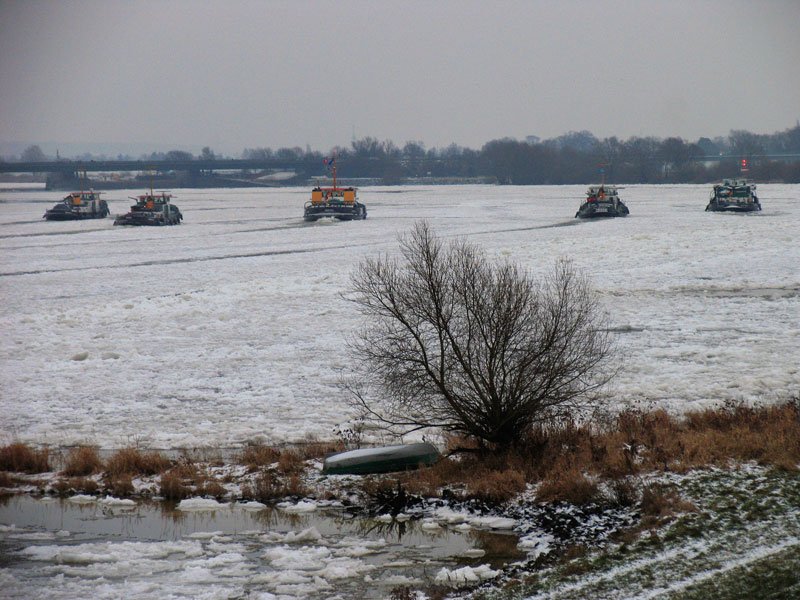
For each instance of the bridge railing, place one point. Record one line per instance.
(75, 166)
(750, 157)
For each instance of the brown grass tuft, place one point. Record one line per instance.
(320, 449)
(132, 461)
(213, 489)
(290, 462)
(661, 503)
(430, 481)
(187, 471)
(120, 486)
(266, 488)
(570, 486)
(75, 485)
(62, 487)
(637, 441)
(186, 479)
(269, 487)
(623, 492)
(81, 461)
(21, 458)
(496, 487)
(84, 485)
(295, 487)
(258, 455)
(172, 486)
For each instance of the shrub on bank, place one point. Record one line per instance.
(569, 459)
(132, 461)
(82, 461)
(21, 458)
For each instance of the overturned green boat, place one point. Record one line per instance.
(384, 459)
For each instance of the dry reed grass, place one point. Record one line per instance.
(319, 449)
(212, 488)
(21, 458)
(132, 461)
(638, 442)
(568, 486)
(258, 455)
(172, 486)
(62, 487)
(266, 488)
(291, 462)
(496, 487)
(187, 479)
(82, 461)
(121, 485)
(269, 486)
(660, 505)
(567, 458)
(492, 479)
(205, 484)
(75, 485)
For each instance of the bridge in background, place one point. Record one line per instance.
(74, 167)
(71, 167)
(750, 157)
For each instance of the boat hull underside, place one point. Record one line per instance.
(156, 219)
(595, 210)
(381, 460)
(343, 212)
(70, 216)
(62, 212)
(733, 207)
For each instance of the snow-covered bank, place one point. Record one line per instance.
(231, 326)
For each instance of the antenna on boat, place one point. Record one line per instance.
(152, 170)
(331, 164)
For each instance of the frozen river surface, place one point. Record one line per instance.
(232, 327)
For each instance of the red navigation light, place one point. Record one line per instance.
(744, 164)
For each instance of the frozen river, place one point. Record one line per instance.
(232, 327)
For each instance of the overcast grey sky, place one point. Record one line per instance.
(241, 74)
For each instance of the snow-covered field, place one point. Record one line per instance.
(232, 326)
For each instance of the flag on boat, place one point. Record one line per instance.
(328, 161)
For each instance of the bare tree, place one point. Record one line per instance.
(33, 154)
(207, 154)
(455, 342)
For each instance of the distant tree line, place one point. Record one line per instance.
(576, 157)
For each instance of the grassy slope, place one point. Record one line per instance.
(742, 542)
